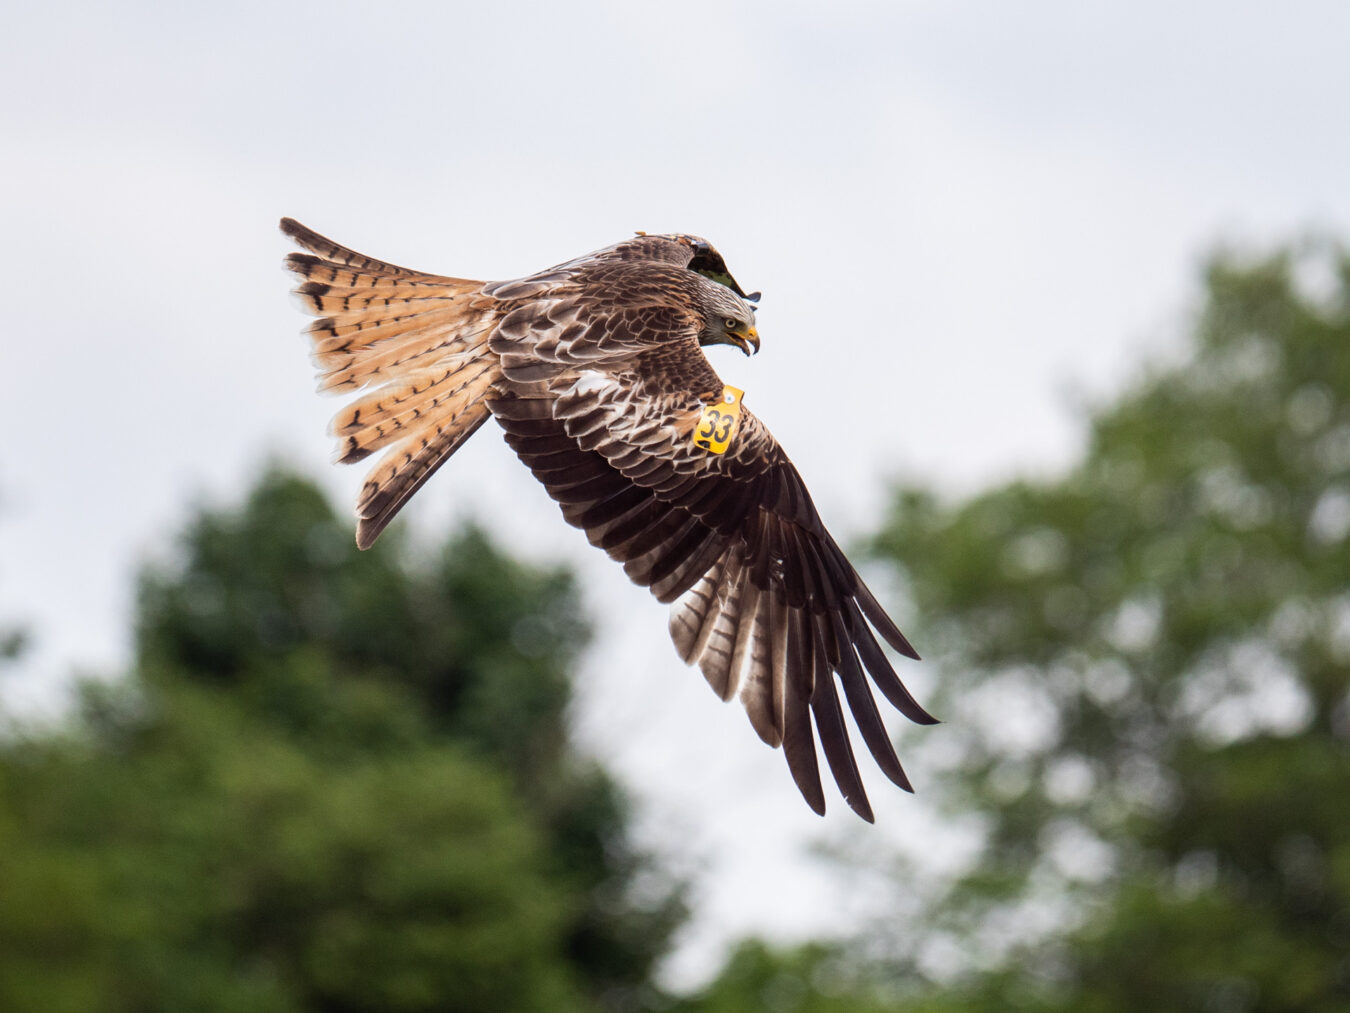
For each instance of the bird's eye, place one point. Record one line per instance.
(731, 324)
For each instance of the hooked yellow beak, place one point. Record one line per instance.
(744, 341)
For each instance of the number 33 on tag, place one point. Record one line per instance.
(720, 421)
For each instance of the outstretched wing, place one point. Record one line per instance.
(599, 399)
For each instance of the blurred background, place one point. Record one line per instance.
(1076, 269)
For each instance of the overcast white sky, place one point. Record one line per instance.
(958, 212)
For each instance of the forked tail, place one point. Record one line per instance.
(415, 343)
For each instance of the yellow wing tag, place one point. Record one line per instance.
(720, 422)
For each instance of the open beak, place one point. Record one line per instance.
(744, 341)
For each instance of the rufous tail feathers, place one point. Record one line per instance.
(414, 344)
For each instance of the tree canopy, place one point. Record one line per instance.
(1146, 662)
(333, 780)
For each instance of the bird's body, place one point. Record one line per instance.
(595, 372)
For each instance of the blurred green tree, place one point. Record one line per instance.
(811, 978)
(335, 780)
(1145, 664)
(13, 640)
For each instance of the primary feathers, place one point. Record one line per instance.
(595, 372)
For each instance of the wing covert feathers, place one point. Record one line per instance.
(596, 395)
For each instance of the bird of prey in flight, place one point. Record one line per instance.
(595, 371)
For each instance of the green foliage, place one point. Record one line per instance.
(1146, 665)
(814, 978)
(206, 862)
(481, 643)
(335, 780)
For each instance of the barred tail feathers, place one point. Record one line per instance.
(408, 465)
(415, 343)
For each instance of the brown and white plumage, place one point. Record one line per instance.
(595, 372)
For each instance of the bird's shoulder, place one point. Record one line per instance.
(627, 268)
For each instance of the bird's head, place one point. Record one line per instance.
(727, 319)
